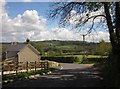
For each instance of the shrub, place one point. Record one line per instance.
(97, 59)
(61, 59)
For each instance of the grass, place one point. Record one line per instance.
(66, 47)
(26, 74)
(96, 56)
(80, 57)
(89, 56)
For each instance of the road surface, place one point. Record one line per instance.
(69, 75)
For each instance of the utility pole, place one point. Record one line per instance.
(83, 47)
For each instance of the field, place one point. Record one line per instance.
(80, 57)
(88, 56)
(53, 48)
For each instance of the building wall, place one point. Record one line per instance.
(10, 54)
(26, 54)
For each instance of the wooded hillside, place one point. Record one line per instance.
(59, 48)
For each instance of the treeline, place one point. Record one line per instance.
(59, 48)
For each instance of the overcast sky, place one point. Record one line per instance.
(21, 20)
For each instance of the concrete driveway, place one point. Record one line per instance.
(65, 66)
(69, 75)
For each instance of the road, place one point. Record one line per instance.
(69, 75)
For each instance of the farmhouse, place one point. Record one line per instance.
(22, 53)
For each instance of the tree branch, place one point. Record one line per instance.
(86, 20)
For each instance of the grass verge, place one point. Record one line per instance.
(24, 75)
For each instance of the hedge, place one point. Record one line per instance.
(61, 59)
(97, 59)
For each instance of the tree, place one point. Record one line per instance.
(111, 15)
(103, 48)
(38, 46)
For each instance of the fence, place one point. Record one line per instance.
(15, 67)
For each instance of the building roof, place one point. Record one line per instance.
(16, 47)
(19, 47)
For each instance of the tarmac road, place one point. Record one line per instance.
(69, 75)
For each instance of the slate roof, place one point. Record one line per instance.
(16, 47)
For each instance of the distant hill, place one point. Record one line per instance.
(56, 47)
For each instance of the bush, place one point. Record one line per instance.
(62, 59)
(97, 59)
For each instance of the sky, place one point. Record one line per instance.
(41, 7)
(27, 19)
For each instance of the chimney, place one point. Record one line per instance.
(27, 41)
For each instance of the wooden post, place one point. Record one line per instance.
(47, 64)
(22, 65)
(27, 66)
(2, 70)
(16, 67)
(38, 65)
(44, 65)
(30, 65)
(35, 65)
(41, 65)
(8, 67)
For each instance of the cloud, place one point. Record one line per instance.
(2, 4)
(96, 37)
(31, 25)
(27, 0)
(2, 12)
(2, 8)
(76, 18)
(23, 26)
